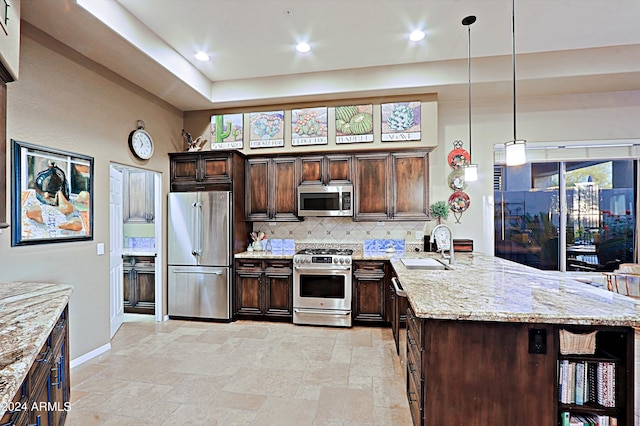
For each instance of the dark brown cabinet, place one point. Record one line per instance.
(325, 169)
(139, 284)
(370, 290)
(271, 189)
(399, 304)
(138, 196)
(263, 289)
(371, 187)
(409, 185)
(202, 171)
(44, 396)
(392, 186)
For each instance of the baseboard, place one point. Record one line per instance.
(89, 355)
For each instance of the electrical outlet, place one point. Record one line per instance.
(419, 235)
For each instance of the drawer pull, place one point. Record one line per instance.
(410, 398)
(410, 365)
(410, 340)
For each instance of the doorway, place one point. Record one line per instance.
(135, 244)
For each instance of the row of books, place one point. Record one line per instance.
(587, 420)
(580, 382)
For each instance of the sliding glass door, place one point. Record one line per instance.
(597, 230)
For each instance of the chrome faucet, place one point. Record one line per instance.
(452, 259)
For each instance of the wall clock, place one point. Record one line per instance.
(140, 142)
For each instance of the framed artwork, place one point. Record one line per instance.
(401, 121)
(309, 126)
(267, 129)
(52, 195)
(227, 131)
(354, 123)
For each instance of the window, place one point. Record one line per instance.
(597, 232)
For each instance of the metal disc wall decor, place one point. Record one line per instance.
(458, 158)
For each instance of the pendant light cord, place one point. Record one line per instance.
(469, 86)
(513, 62)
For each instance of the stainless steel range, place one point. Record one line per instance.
(322, 287)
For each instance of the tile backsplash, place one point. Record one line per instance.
(340, 230)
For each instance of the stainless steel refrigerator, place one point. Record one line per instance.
(199, 248)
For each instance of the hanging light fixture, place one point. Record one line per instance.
(470, 170)
(515, 150)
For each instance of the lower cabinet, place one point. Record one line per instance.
(139, 285)
(263, 289)
(399, 304)
(370, 292)
(44, 397)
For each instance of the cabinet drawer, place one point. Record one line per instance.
(414, 396)
(278, 266)
(59, 330)
(414, 331)
(368, 266)
(250, 264)
(40, 369)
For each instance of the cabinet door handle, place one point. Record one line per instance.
(410, 340)
(410, 366)
(410, 398)
(55, 375)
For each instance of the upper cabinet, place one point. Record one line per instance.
(271, 189)
(392, 186)
(138, 196)
(325, 169)
(207, 170)
(9, 39)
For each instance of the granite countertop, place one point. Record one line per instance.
(284, 254)
(28, 312)
(488, 288)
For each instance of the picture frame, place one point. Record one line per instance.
(51, 195)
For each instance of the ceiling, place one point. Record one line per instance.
(359, 47)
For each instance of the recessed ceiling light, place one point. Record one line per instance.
(201, 56)
(416, 35)
(303, 47)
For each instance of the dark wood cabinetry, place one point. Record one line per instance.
(399, 304)
(481, 373)
(371, 187)
(271, 189)
(204, 171)
(139, 284)
(44, 396)
(392, 186)
(139, 206)
(263, 289)
(325, 169)
(370, 292)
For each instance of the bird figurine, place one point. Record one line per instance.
(193, 146)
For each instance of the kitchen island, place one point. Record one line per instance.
(483, 342)
(34, 357)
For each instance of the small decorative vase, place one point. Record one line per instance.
(257, 245)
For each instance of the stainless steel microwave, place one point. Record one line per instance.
(325, 200)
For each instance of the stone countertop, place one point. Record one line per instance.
(28, 312)
(138, 252)
(488, 288)
(285, 254)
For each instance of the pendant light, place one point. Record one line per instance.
(470, 170)
(515, 150)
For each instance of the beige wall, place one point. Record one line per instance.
(64, 101)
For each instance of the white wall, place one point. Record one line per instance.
(64, 101)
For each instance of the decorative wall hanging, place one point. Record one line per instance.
(309, 126)
(354, 123)
(227, 131)
(267, 129)
(458, 159)
(52, 195)
(401, 121)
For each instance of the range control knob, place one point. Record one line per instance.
(347, 260)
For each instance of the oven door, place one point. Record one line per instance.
(322, 296)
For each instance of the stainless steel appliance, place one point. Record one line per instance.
(199, 255)
(322, 287)
(325, 200)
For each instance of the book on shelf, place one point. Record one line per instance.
(579, 392)
(581, 382)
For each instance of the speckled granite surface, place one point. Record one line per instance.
(487, 288)
(29, 312)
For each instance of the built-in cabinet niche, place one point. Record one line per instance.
(138, 196)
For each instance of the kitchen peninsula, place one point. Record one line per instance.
(34, 357)
(483, 342)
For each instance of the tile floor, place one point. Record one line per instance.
(243, 373)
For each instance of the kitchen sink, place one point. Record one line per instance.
(428, 264)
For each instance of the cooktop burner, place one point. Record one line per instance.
(325, 251)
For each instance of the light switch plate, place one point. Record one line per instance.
(100, 249)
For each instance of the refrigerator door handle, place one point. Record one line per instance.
(188, 271)
(197, 239)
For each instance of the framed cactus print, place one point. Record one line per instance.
(354, 123)
(267, 129)
(227, 131)
(309, 126)
(401, 121)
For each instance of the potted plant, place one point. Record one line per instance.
(439, 210)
